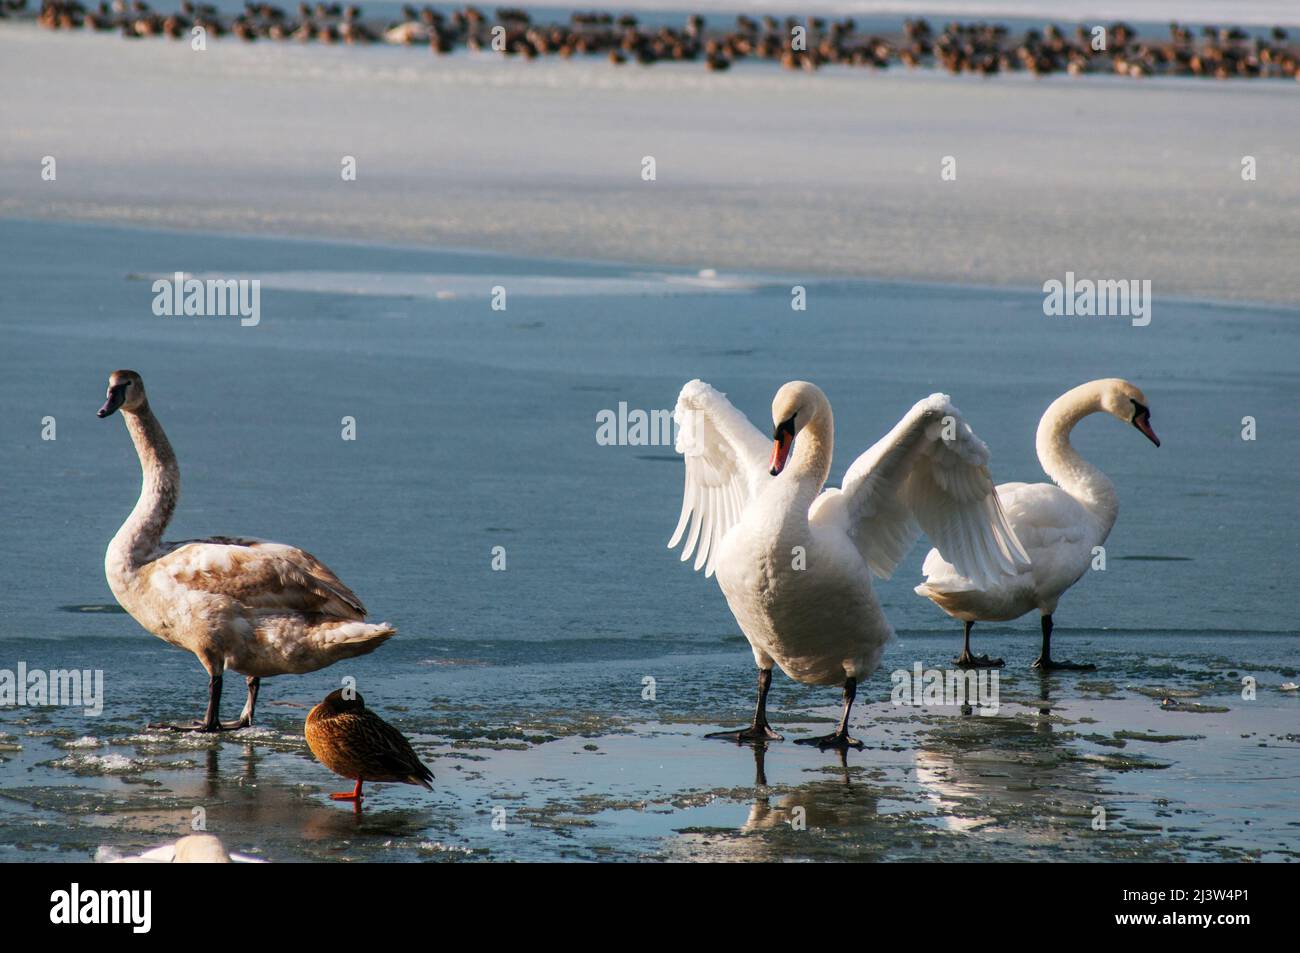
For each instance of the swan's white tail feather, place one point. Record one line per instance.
(349, 639)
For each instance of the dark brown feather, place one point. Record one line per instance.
(358, 744)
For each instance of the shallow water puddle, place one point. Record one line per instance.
(1030, 781)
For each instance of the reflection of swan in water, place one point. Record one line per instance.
(241, 809)
(821, 804)
(825, 819)
(976, 771)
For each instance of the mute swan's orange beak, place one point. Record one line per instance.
(782, 441)
(1143, 423)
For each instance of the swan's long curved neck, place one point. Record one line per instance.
(160, 488)
(1062, 462)
(811, 457)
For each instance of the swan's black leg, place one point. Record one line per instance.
(840, 737)
(759, 730)
(210, 721)
(1044, 661)
(966, 660)
(246, 716)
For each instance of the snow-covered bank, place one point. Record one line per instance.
(834, 173)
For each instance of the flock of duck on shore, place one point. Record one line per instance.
(807, 44)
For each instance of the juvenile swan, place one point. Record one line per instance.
(251, 606)
(795, 561)
(1059, 525)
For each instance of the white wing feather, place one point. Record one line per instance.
(726, 458)
(930, 473)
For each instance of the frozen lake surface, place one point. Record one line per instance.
(476, 429)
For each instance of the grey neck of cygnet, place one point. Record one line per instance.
(1060, 461)
(160, 487)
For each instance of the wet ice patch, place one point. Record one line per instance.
(176, 739)
(255, 733)
(438, 847)
(98, 764)
(470, 286)
(115, 764)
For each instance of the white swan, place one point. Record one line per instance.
(251, 606)
(194, 849)
(795, 562)
(1059, 525)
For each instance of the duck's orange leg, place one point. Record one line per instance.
(353, 795)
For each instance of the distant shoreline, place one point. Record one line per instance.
(835, 173)
(806, 43)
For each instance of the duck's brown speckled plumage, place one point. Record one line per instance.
(354, 742)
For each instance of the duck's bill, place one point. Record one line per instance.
(781, 445)
(116, 395)
(1143, 423)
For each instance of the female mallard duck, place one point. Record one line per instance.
(354, 742)
(248, 605)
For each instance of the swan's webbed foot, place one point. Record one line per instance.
(759, 729)
(1045, 662)
(966, 660)
(840, 740)
(755, 732)
(1051, 665)
(195, 726)
(211, 723)
(969, 660)
(244, 722)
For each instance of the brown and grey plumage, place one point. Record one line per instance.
(354, 742)
(251, 606)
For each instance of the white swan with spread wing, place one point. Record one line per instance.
(247, 605)
(795, 560)
(1060, 525)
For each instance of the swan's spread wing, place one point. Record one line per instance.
(929, 473)
(260, 575)
(726, 457)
